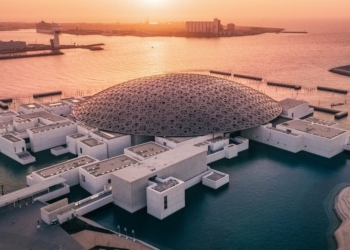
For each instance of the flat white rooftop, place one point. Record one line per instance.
(178, 139)
(54, 104)
(3, 125)
(29, 191)
(31, 106)
(290, 103)
(163, 186)
(76, 136)
(107, 135)
(11, 138)
(92, 142)
(7, 113)
(50, 127)
(314, 129)
(110, 165)
(161, 161)
(320, 121)
(65, 166)
(73, 101)
(42, 114)
(148, 149)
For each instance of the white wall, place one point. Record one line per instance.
(51, 138)
(93, 184)
(98, 151)
(175, 200)
(94, 205)
(23, 125)
(116, 145)
(54, 194)
(215, 184)
(299, 111)
(72, 143)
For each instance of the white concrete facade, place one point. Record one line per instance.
(50, 136)
(295, 108)
(116, 143)
(297, 135)
(215, 179)
(129, 184)
(91, 183)
(162, 203)
(92, 147)
(58, 108)
(15, 148)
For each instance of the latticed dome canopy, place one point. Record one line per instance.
(177, 105)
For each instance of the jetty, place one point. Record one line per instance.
(16, 56)
(248, 77)
(285, 85)
(6, 99)
(4, 105)
(341, 91)
(220, 73)
(337, 113)
(44, 94)
(343, 70)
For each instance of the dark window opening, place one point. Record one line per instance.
(165, 202)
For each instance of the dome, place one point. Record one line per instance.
(177, 105)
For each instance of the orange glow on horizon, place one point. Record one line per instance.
(243, 12)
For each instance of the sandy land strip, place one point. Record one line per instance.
(342, 207)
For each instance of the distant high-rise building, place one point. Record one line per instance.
(204, 27)
(231, 27)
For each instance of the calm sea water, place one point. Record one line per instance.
(275, 199)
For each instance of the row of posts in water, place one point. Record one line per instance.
(277, 84)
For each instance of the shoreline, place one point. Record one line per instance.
(342, 209)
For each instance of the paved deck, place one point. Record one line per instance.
(89, 239)
(23, 234)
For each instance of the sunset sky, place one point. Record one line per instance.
(171, 10)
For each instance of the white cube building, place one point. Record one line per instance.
(92, 147)
(165, 197)
(115, 142)
(15, 148)
(94, 177)
(30, 108)
(130, 184)
(295, 108)
(49, 136)
(68, 170)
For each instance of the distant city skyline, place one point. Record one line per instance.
(260, 12)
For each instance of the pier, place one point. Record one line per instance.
(6, 100)
(44, 94)
(16, 56)
(248, 77)
(343, 70)
(337, 113)
(220, 73)
(4, 105)
(341, 91)
(285, 85)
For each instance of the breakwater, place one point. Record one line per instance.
(285, 85)
(341, 91)
(44, 94)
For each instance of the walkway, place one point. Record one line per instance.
(24, 235)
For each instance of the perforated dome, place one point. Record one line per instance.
(177, 105)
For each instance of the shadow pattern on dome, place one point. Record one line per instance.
(177, 105)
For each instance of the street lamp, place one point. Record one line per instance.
(133, 232)
(126, 232)
(118, 229)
